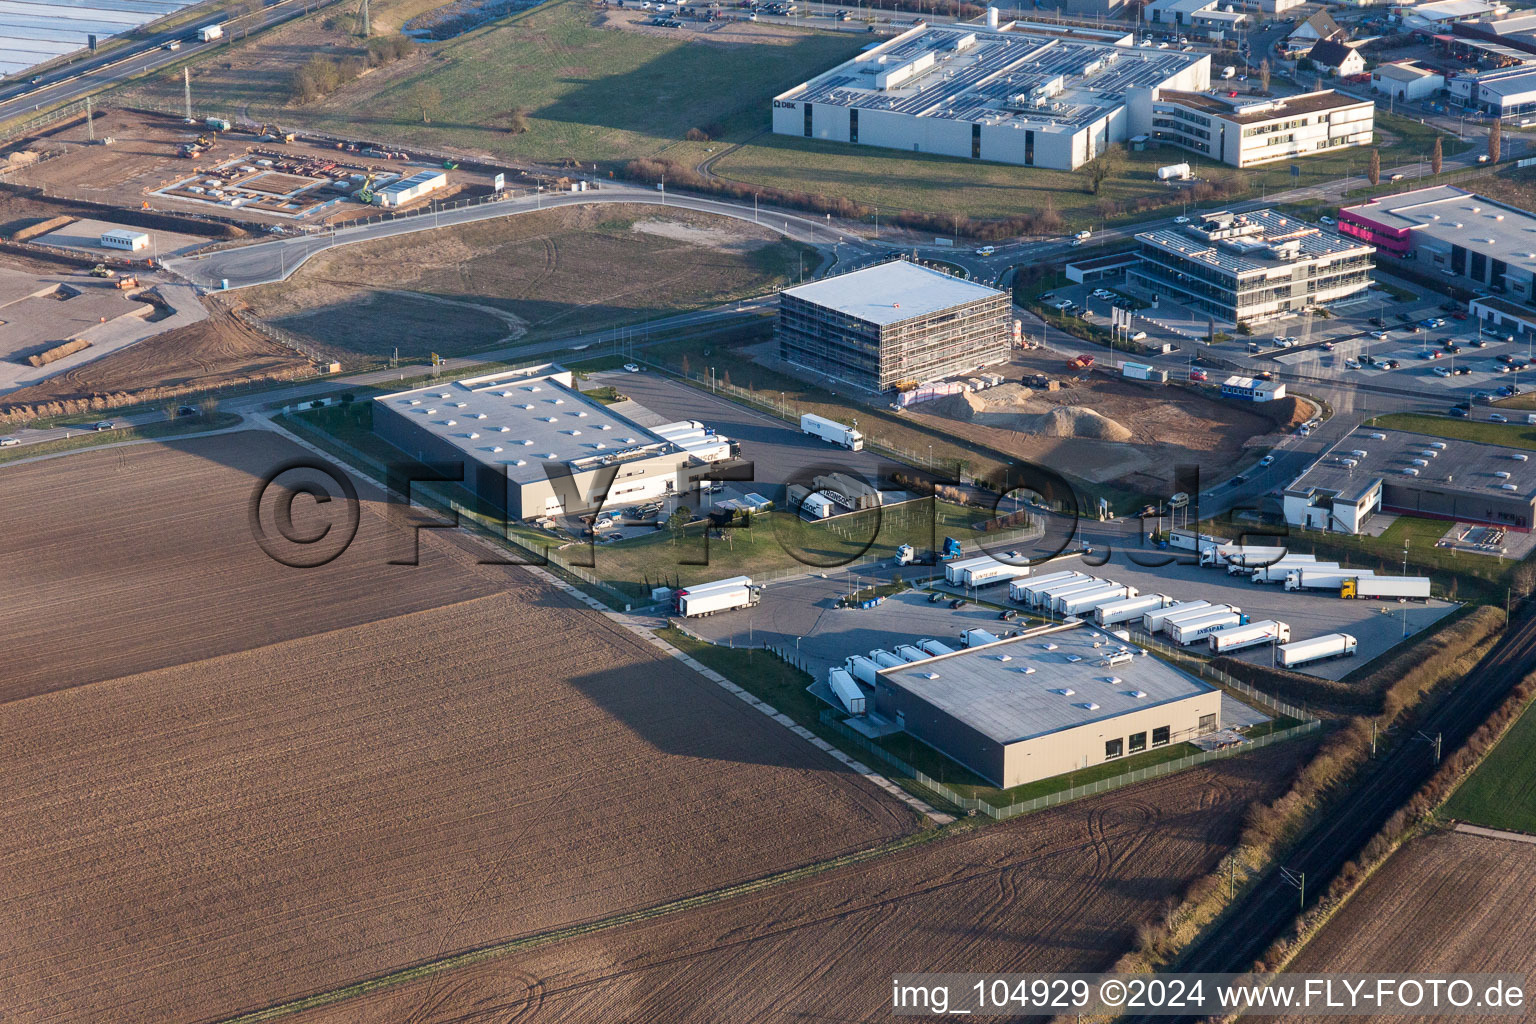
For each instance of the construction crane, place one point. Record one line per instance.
(365, 193)
(271, 131)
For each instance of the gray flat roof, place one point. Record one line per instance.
(1466, 467)
(992, 76)
(1453, 215)
(891, 292)
(1253, 253)
(521, 421)
(1012, 690)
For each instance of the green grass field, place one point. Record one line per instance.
(895, 180)
(594, 95)
(1513, 435)
(1501, 793)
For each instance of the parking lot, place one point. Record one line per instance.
(802, 613)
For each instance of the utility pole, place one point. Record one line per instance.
(90, 121)
(1299, 880)
(186, 90)
(1435, 740)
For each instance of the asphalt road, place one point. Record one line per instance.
(93, 74)
(1272, 904)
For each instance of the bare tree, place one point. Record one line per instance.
(1264, 74)
(1436, 156)
(427, 98)
(1495, 140)
(1373, 170)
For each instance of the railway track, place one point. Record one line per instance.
(1271, 906)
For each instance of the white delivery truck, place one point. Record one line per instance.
(833, 431)
(861, 668)
(719, 596)
(846, 690)
(1235, 638)
(935, 648)
(976, 637)
(1024, 592)
(1128, 609)
(909, 653)
(1280, 570)
(1322, 579)
(1085, 602)
(1152, 621)
(1330, 645)
(1416, 587)
(1048, 597)
(1191, 630)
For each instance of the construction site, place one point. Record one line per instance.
(235, 171)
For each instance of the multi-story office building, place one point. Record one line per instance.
(1250, 267)
(1246, 132)
(1467, 237)
(891, 324)
(1020, 96)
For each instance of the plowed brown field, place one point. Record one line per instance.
(1057, 891)
(1444, 904)
(373, 783)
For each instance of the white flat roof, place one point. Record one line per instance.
(1012, 690)
(1454, 216)
(891, 292)
(521, 420)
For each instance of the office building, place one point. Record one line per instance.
(1250, 267)
(1052, 701)
(1248, 132)
(893, 324)
(1467, 238)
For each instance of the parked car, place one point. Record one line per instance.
(1396, 177)
(631, 367)
(957, 603)
(1181, 219)
(1440, 371)
(935, 597)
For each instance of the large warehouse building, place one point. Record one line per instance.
(989, 94)
(1376, 469)
(893, 324)
(1038, 705)
(533, 445)
(1467, 237)
(1250, 267)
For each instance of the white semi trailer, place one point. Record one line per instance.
(1169, 621)
(846, 691)
(831, 430)
(1128, 609)
(1086, 602)
(1330, 645)
(1235, 638)
(935, 648)
(862, 669)
(1387, 587)
(1189, 631)
(1024, 593)
(1048, 597)
(1277, 573)
(977, 637)
(909, 653)
(1322, 579)
(1153, 620)
(885, 659)
(978, 572)
(720, 596)
(1247, 565)
(1241, 555)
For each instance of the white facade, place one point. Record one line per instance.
(949, 90)
(121, 238)
(407, 190)
(1249, 133)
(1406, 82)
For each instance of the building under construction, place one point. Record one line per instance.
(891, 325)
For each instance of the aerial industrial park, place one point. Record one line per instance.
(598, 510)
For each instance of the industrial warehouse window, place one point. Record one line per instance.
(1138, 742)
(1207, 723)
(1160, 736)
(975, 142)
(853, 124)
(808, 120)
(1113, 749)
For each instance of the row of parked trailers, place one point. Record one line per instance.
(1271, 564)
(862, 668)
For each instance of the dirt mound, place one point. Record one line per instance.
(1010, 408)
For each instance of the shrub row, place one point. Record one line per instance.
(321, 75)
